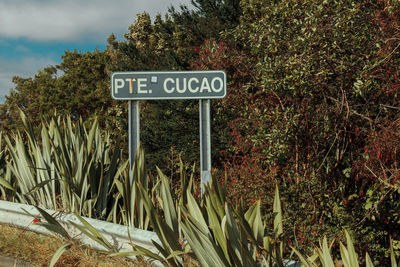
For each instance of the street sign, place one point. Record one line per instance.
(158, 85)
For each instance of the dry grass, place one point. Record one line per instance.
(38, 250)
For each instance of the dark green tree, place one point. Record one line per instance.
(84, 83)
(316, 108)
(78, 86)
(172, 44)
(208, 19)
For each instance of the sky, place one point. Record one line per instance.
(35, 33)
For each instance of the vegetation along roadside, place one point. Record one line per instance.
(313, 107)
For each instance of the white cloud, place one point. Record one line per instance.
(22, 48)
(25, 67)
(73, 20)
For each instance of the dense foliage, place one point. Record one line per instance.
(313, 105)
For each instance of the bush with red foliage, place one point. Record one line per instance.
(309, 82)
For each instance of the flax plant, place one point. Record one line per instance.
(224, 236)
(5, 187)
(205, 229)
(349, 257)
(209, 229)
(71, 167)
(132, 210)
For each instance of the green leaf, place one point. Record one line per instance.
(52, 224)
(392, 255)
(169, 238)
(167, 203)
(351, 251)
(176, 253)
(324, 254)
(278, 226)
(6, 184)
(301, 257)
(216, 228)
(203, 247)
(368, 205)
(91, 135)
(253, 217)
(368, 261)
(92, 233)
(196, 213)
(234, 237)
(38, 186)
(141, 251)
(58, 254)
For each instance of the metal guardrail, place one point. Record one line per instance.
(22, 216)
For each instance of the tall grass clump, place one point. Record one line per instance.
(68, 166)
(209, 231)
(73, 167)
(3, 155)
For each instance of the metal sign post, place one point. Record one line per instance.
(158, 85)
(134, 133)
(205, 143)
